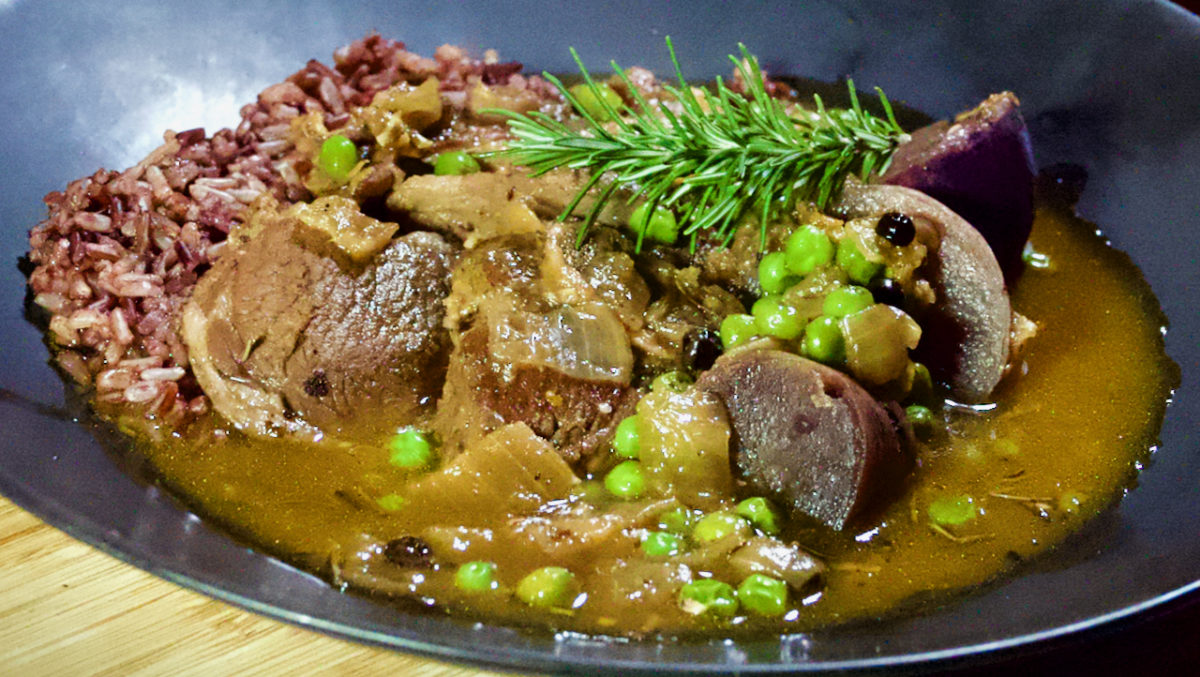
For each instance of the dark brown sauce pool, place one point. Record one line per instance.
(1065, 439)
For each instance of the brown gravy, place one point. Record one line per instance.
(1064, 440)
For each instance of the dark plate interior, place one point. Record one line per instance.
(1112, 86)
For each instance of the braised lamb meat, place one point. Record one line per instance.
(564, 369)
(283, 336)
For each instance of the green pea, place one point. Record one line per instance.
(921, 391)
(677, 521)
(476, 576)
(410, 449)
(763, 595)
(760, 513)
(455, 162)
(858, 268)
(626, 440)
(823, 341)
(708, 595)
(952, 510)
(390, 502)
(589, 99)
(807, 249)
(921, 420)
(671, 382)
(773, 274)
(773, 317)
(337, 157)
(662, 544)
(717, 525)
(626, 480)
(663, 226)
(547, 587)
(737, 329)
(843, 301)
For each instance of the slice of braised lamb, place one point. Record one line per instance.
(471, 207)
(808, 435)
(565, 372)
(288, 332)
(965, 334)
(528, 351)
(981, 166)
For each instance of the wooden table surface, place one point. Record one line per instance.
(69, 609)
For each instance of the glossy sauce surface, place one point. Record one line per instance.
(1065, 437)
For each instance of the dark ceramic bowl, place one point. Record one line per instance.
(1114, 87)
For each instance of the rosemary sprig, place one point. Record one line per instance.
(714, 158)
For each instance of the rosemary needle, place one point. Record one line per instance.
(713, 157)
